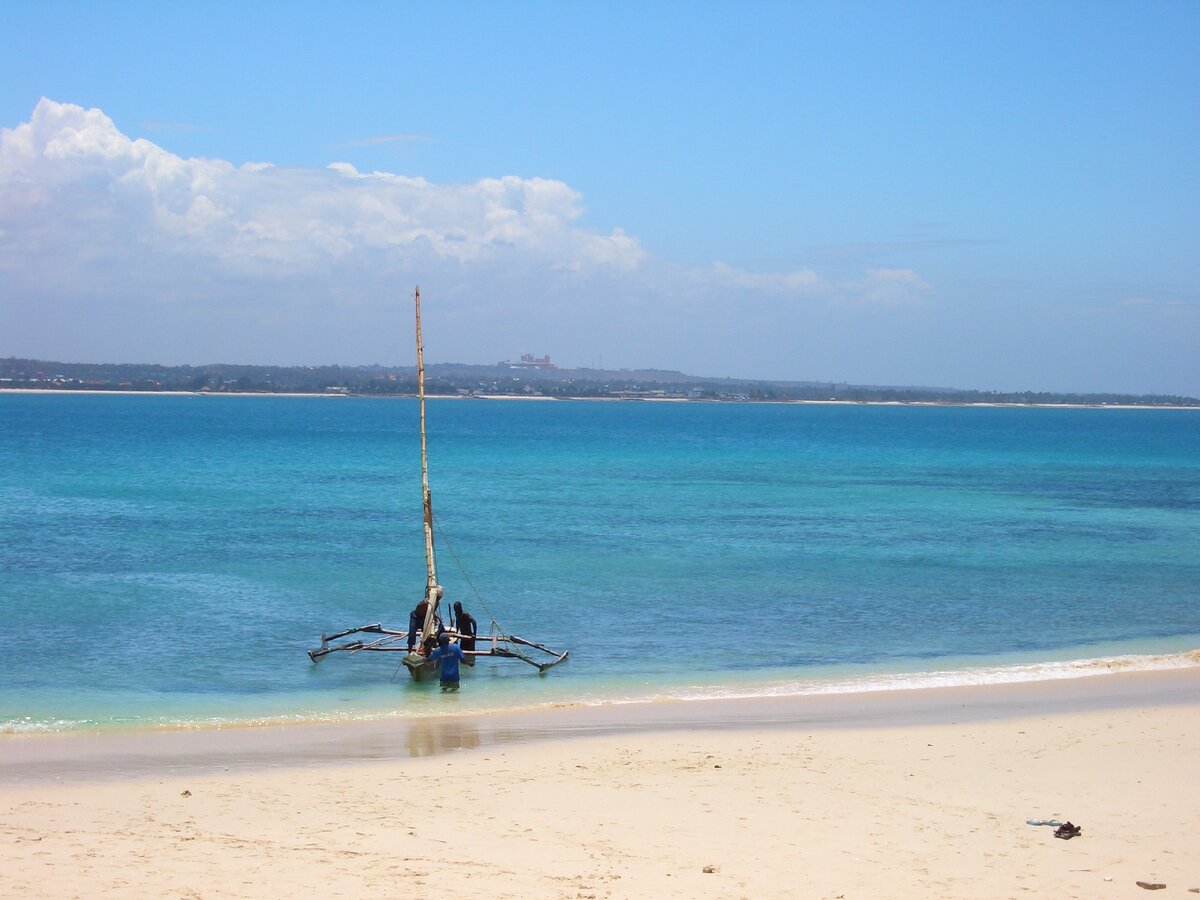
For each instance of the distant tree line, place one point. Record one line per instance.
(454, 379)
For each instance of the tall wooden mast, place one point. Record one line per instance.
(431, 591)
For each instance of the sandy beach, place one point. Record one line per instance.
(922, 793)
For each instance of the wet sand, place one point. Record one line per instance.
(95, 756)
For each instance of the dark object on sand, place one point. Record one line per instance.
(1150, 886)
(1066, 831)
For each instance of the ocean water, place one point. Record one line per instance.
(165, 561)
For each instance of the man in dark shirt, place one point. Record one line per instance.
(465, 625)
(450, 655)
(416, 621)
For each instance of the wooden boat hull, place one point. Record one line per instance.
(420, 668)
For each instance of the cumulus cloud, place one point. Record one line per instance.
(127, 240)
(68, 164)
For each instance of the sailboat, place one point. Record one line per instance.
(425, 633)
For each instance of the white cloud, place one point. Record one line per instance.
(799, 281)
(889, 287)
(119, 249)
(259, 217)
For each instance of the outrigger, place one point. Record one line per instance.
(416, 651)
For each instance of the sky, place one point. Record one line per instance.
(1001, 196)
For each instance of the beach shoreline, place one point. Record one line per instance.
(895, 796)
(133, 753)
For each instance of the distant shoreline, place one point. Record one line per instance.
(341, 396)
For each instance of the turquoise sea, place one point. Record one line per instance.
(167, 560)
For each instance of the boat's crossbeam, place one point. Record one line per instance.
(517, 654)
(391, 642)
(326, 638)
(353, 646)
(382, 644)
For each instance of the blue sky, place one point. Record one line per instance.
(981, 195)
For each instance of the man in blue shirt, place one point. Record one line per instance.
(450, 655)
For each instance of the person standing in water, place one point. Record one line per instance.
(450, 656)
(465, 625)
(416, 621)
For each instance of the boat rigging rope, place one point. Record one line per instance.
(446, 540)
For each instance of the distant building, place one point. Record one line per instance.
(529, 361)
